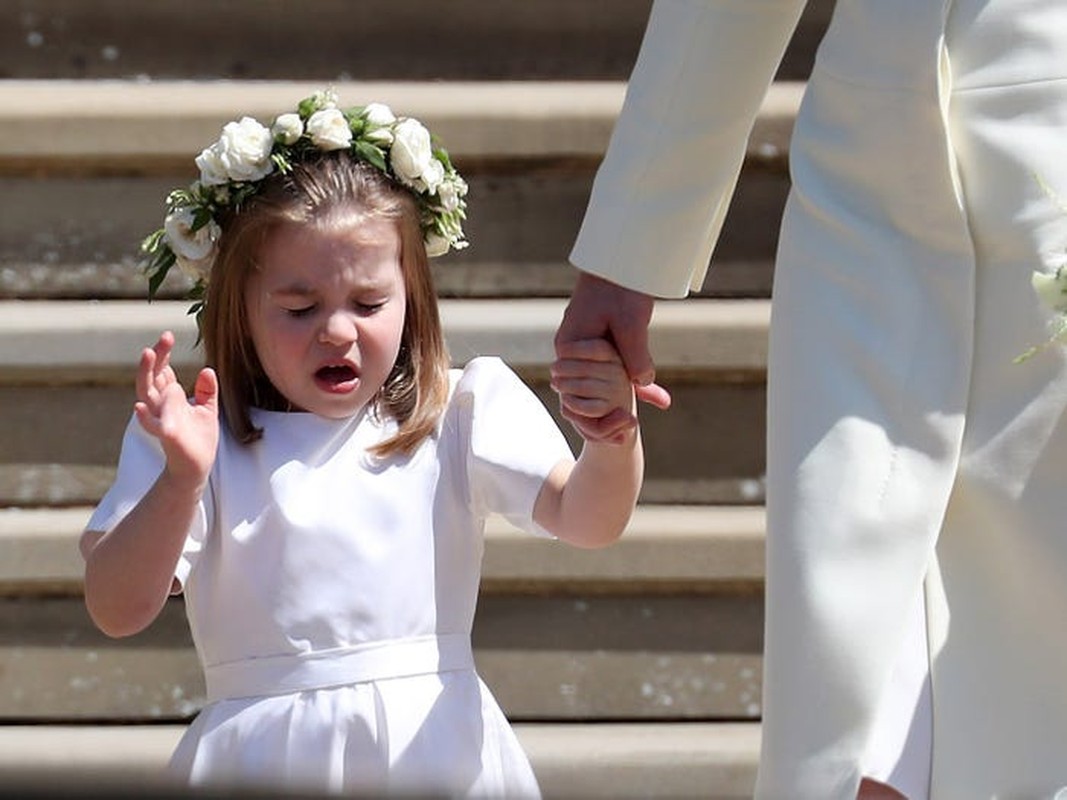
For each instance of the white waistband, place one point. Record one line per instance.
(284, 674)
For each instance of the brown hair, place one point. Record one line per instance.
(416, 391)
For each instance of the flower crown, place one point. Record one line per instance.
(233, 168)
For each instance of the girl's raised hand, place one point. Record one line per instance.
(591, 374)
(188, 432)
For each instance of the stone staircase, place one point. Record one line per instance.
(628, 672)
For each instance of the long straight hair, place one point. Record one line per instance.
(330, 189)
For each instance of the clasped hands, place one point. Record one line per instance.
(601, 310)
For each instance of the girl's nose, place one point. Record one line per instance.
(339, 328)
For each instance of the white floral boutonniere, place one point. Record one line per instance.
(1051, 288)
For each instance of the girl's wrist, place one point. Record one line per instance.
(191, 486)
(624, 439)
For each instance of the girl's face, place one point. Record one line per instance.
(326, 313)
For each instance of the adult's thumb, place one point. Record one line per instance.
(654, 394)
(632, 344)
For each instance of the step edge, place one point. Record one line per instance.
(662, 546)
(53, 337)
(129, 121)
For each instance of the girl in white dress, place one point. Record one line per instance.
(327, 535)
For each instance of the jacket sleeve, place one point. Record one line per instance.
(661, 194)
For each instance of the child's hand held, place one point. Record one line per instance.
(596, 394)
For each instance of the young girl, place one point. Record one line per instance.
(327, 535)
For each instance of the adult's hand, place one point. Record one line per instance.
(601, 309)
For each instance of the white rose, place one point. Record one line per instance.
(329, 129)
(383, 137)
(194, 250)
(288, 128)
(451, 191)
(379, 114)
(244, 150)
(432, 176)
(379, 119)
(1051, 288)
(212, 170)
(411, 153)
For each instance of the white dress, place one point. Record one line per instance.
(331, 597)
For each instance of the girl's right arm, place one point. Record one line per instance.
(129, 570)
(588, 503)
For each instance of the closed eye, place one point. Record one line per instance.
(296, 313)
(369, 308)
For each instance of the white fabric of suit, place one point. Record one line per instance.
(907, 453)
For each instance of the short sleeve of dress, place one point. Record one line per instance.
(514, 442)
(141, 461)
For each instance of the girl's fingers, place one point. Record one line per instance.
(588, 406)
(164, 375)
(594, 390)
(576, 368)
(581, 387)
(154, 374)
(563, 370)
(163, 348)
(590, 379)
(146, 371)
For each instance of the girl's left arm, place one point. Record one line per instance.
(588, 503)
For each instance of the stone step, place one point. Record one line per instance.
(72, 238)
(567, 655)
(66, 371)
(78, 237)
(125, 126)
(100, 341)
(323, 40)
(712, 761)
(666, 624)
(665, 550)
(92, 162)
(145, 128)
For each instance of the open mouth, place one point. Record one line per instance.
(337, 378)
